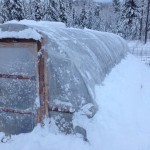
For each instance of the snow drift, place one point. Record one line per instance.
(122, 122)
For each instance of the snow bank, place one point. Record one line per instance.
(138, 44)
(24, 34)
(122, 122)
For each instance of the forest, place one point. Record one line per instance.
(129, 19)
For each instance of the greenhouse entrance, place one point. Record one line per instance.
(19, 82)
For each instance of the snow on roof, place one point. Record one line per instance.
(18, 32)
(30, 29)
(26, 29)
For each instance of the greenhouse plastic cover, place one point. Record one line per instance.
(77, 59)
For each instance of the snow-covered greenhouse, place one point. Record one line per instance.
(48, 70)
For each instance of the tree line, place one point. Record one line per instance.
(129, 18)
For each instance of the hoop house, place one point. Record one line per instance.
(48, 70)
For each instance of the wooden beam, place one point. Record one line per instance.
(10, 110)
(20, 77)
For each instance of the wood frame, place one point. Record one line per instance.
(42, 111)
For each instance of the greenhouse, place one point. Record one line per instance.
(50, 71)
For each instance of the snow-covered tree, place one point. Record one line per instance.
(90, 13)
(82, 18)
(17, 10)
(62, 11)
(97, 20)
(141, 18)
(147, 21)
(37, 10)
(52, 11)
(27, 5)
(116, 5)
(129, 22)
(69, 13)
(5, 13)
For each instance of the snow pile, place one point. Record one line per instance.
(138, 44)
(26, 34)
(122, 122)
(141, 50)
(37, 23)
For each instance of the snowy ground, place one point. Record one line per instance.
(138, 44)
(122, 122)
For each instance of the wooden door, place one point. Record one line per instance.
(18, 87)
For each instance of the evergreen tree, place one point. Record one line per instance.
(116, 5)
(129, 21)
(62, 11)
(37, 10)
(6, 11)
(147, 21)
(97, 20)
(83, 18)
(27, 5)
(69, 13)
(75, 20)
(90, 14)
(141, 18)
(17, 10)
(52, 12)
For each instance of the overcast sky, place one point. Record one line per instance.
(103, 0)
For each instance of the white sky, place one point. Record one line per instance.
(103, 0)
(106, 0)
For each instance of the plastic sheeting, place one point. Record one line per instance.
(17, 95)
(77, 61)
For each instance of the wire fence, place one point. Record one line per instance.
(142, 53)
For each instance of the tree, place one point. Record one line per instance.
(17, 10)
(90, 13)
(27, 6)
(116, 5)
(129, 22)
(6, 11)
(62, 11)
(83, 18)
(141, 19)
(147, 20)
(37, 10)
(52, 12)
(97, 20)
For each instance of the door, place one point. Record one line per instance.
(18, 87)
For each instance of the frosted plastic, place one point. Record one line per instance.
(17, 94)
(12, 123)
(77, 61)
(19, 61)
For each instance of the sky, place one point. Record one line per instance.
(103, 0)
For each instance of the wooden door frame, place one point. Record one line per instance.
(42, 84)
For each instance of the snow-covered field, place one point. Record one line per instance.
(140, 50)
(122, 122)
